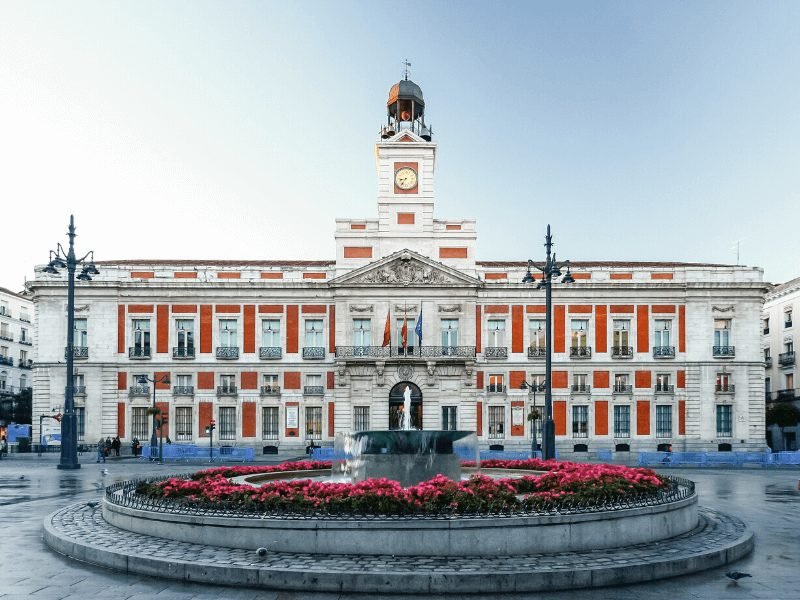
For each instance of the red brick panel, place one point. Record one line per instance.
(142, 274)
(184, 275)
(583, 309)
(357, 226)
(601, 379)
(581, 275)
(121, 329)
(495, 276)
(314, 309)
(403, 218)
(140, 308)
(496, 309)
(249, 333)
(452, 227)
(560, 380)
(560, 416)
(452, 253)
(559, 328)
(478, 380)
(516, 328)
(271, 275)
(660, 275)
(229, 275)
(682, 417)
(121, 419)
(642, 329)
(292, 325)
(205, 380)
(538, 309)
(479, 418)
(122, 381)
(600, 328)
(162, 328)
(332, 329)
(663, 308)
(248, 419)
(205, 412)
(249, 380)
(205, 328)
(227, 308)
(158, 376)
(163, 431)
(360, 251)
(622, 308)
(642, 379)
(682, 329)
(270, 308)
(478, 329)
(643, 417)
(184, 308)
(314, 275)
(331, 380)
(621, 275)
(331, 419)
(517, 430)
(291, 380)
(681, 379)
(515, 379)
(601, 417)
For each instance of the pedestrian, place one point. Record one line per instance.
(135, 446)
(115, 445)
(101, 450)
(3, 446)
(107, 446)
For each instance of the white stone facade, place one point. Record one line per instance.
(675, 346)
(16, 343)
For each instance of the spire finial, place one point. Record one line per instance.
(406, 64)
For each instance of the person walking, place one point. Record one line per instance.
(115, 445)
(135, 446)
(3, 446)
(101, 450)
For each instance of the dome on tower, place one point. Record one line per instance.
(405, 89)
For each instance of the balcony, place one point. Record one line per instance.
(767, 362)
(26, 342)
(78, 352)
(228, 352)
(728, 388)
(226, 390)
(313, 390)
(313, 352)
(663, 351)
(724, 351)
(373, 352)
(270, 390)
(495, 353)
(25, 363)
(183, 390)
(269, 352)
(139, 352)
(622, 352)
(6, 360)
(7, 391)
(622, 388)
(581, 388)
(79, 390)
(496, 388)
(665, 389)
(580, 352)
(786, 359)
(25, 318)
(7, 337)
(537, 352)
(183, 353)
(139, 390)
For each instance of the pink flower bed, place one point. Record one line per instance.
(562, 483)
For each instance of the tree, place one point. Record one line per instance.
(782, 415)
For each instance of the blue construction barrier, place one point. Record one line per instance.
(604, 455)
(187, 452)
(704, 459)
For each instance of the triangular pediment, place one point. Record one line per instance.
(406, 268)
(406, 135)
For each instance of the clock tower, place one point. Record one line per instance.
(405, 161)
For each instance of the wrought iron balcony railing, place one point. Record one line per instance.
(665, 389)
(313, 390)
(6, 360)
(270, 390)
(581, 388)
(580, 352)
(622, 352)
(183, 352)
(663, 351)
(724, 351)
(226, 390)
(536, 351)
(79, 390)
(623, 388)
(371, 352)
(139, 390)
(767, 362)
(495, 352)
(7, 337)
(313, 352)
(183, 390)
(228, 352)
(496, 388)
(25, 318)
(79, 352)
(25, 364)
(139, 352)
(725, 388)
(26, 342)
(786, 359)
(269, 352)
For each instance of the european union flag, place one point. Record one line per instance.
(418, 328)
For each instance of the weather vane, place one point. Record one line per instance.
(406, 64)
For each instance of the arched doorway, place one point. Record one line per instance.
(396, 405)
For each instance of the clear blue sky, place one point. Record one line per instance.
(640, 130)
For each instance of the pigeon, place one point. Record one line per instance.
(262, 552)
(22, 476)
(735, 576)
(92, 504)
(104, 471)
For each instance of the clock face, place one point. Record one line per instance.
(405, 178)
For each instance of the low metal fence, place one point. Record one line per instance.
(704, 459)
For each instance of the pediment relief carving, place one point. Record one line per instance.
(723, 309)
(406, 271)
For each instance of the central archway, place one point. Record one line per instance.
(396, 405)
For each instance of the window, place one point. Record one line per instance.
(80, 418)
(497, 333)
(766, 325)
(23, 314)
(580, 327)
(23, 357)
(724, 382)
(449, 333)
(4, 351)
(767, 385)
(227, 422)
(622, 421)
(787, 317)
(410, 324)
(789, 381)
(228, 333)
(661, 335)
(141, 337)
(362, 333)
(4, 308)
(23, 381)
(4, 332)
(722, 333)
(767, 354)
(78, 383)
(23, 336)
(621, 382)
(81, 334)
(622, 335)
(313, 422)
(537, 380)
(227, 383)
(580, 421)
(361, 418)
(314, 333)
(662, 383)
(183, 423)
(270, 383)
(539, 420)
(183, 380)
(663, 420)
(497, 419)
(536, 328)
(269, 423)
(449, 418)
(788, 346)
(184, 336)
(724, 420)
(271, 333)
(496, 384)
(579, 383)
(139, 423)
(314, 379)
(3, 380)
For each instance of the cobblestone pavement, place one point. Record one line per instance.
(767, 500)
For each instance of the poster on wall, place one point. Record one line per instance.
(51, 433)
(516, 416)
(292, 417)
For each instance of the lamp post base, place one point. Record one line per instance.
(67, 466)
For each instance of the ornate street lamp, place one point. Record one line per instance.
(550, 269)
(65, 259)
(534, 415)
(154, 439)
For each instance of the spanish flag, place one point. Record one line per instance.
(404, 333)
(387, 332)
